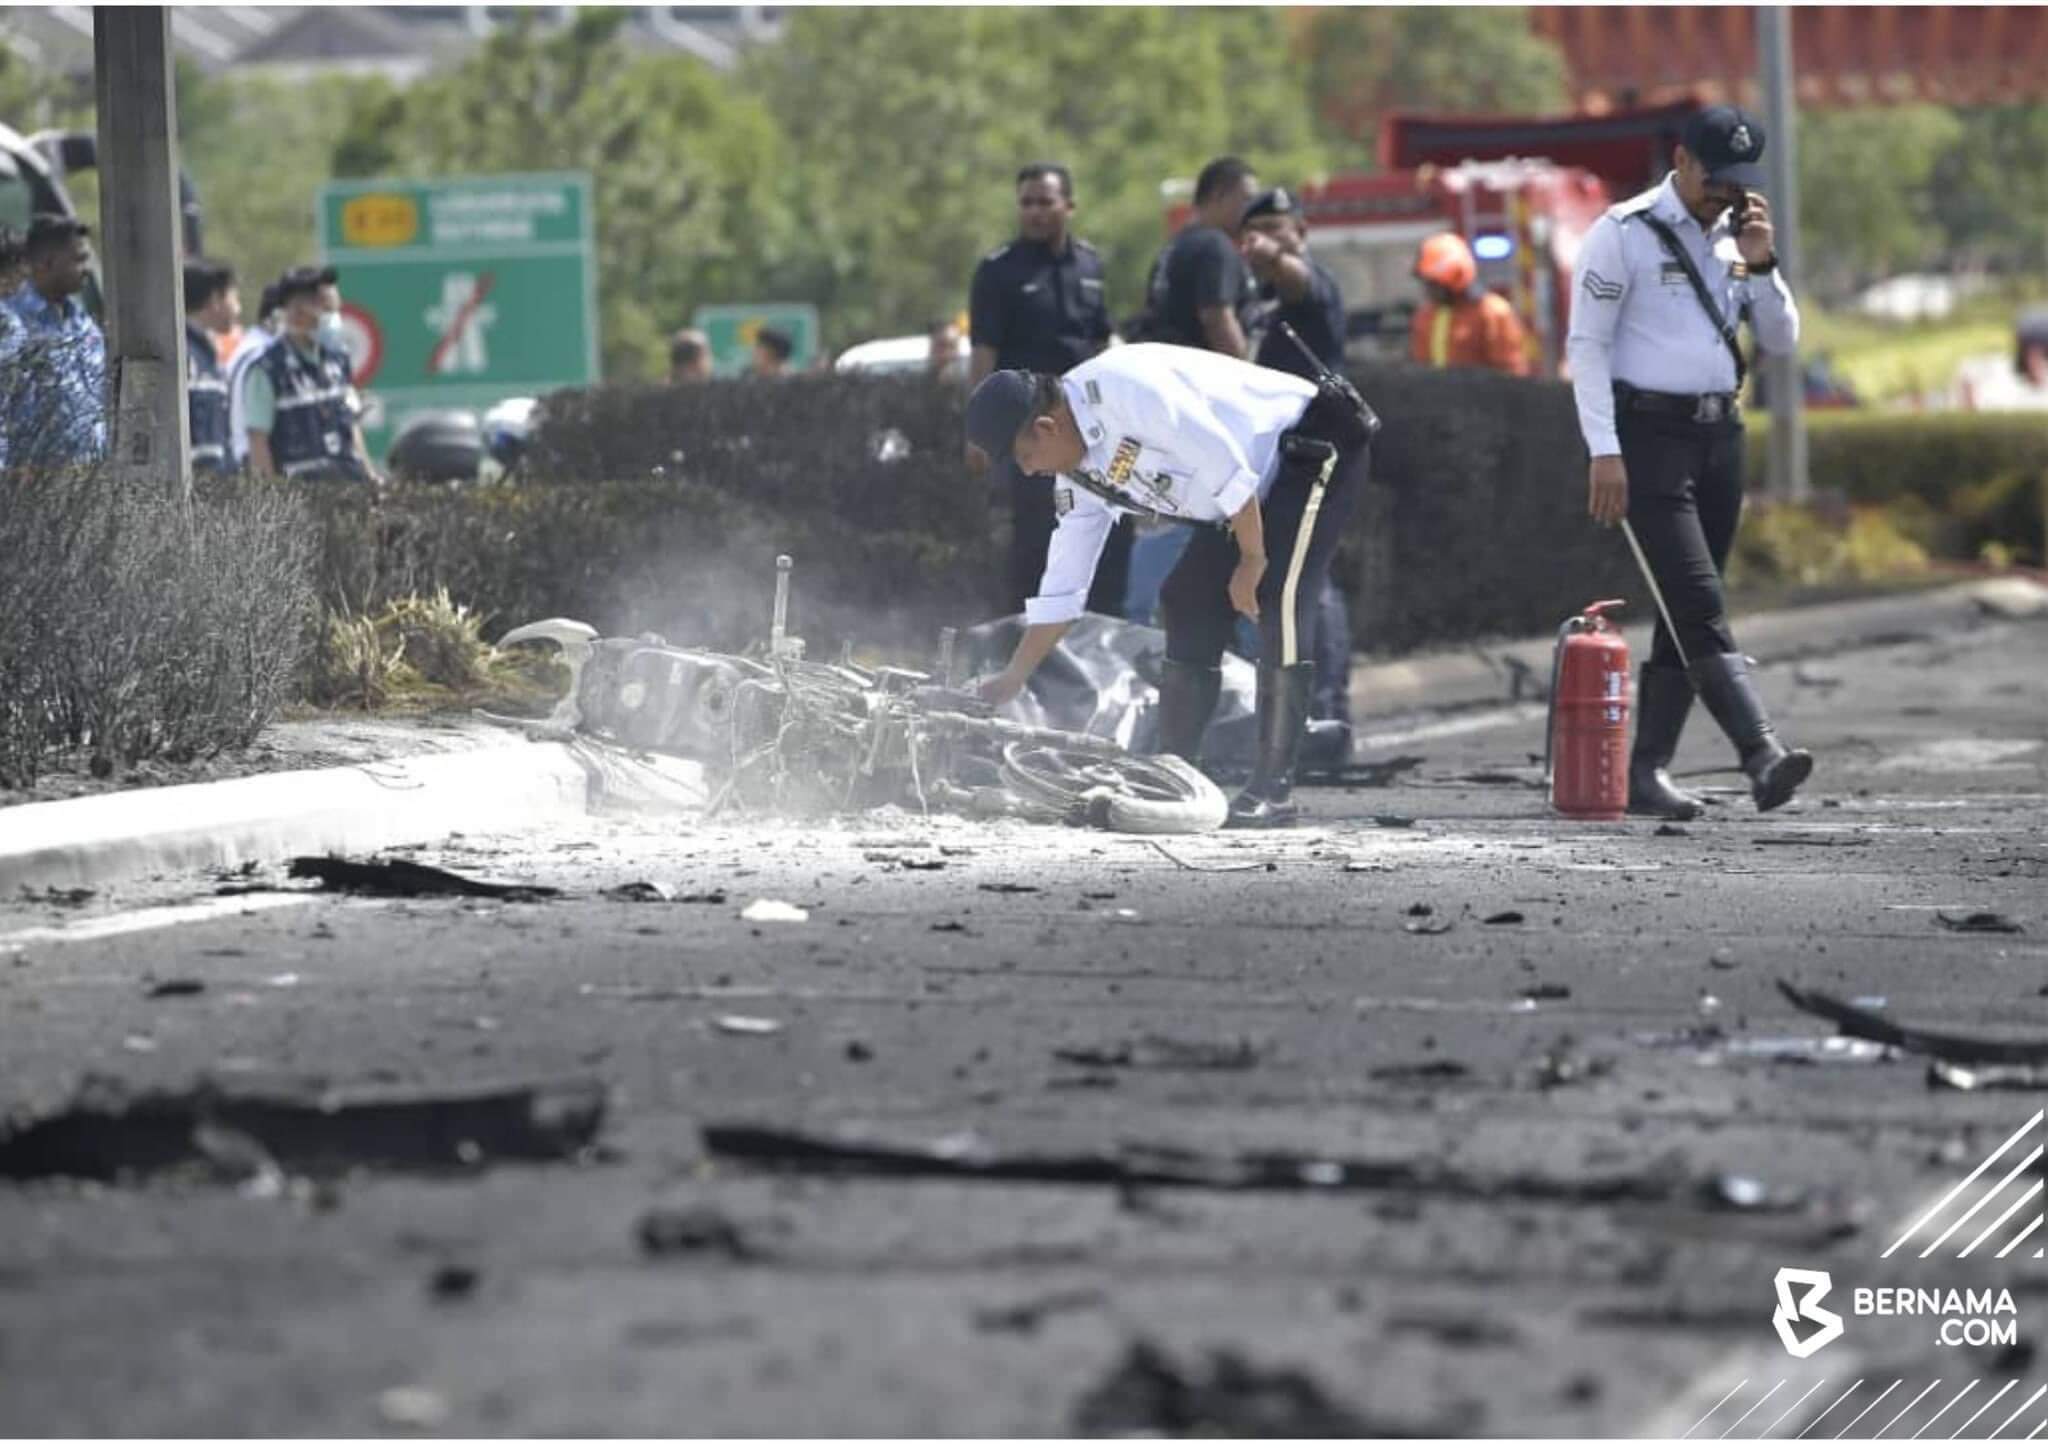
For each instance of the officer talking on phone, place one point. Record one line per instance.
(1663, 281)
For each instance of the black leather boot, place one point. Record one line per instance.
(1187, 700)
(1663, 699)
(1266, 801)
(1730, 695)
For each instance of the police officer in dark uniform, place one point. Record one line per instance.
(1298, 291)
(211, 306)
(1038, 305)
(1201, 293)
(1657, 368)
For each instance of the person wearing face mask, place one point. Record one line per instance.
(1661, 283)
(297, 400)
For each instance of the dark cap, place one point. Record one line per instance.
(1729, 142)
(998, 410)
(1277, 202)
(49, 230)
(301, 280)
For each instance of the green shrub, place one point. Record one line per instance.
(1785, 545)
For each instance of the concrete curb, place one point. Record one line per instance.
(1509, 672)
(353, 809)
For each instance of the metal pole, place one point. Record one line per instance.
(1782, 375)
(141, 243)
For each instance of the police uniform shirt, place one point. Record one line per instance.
(1041, 310)
(1182, 431)
(1636, 319)
(1200, 268)
(1317, 318)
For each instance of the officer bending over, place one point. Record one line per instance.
(1657, 369)
(1262, 465)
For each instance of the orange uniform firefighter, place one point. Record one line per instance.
(1461, 324)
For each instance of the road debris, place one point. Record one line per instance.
(748, 1026)
(1150, 1394)
(176, 986)
(1946, 1075)
(968, 1155)
(406, 878)
(1734, 1192)
(1546, 991)
(1007, 887)
(1230, 869)
(774, 912)
(1453, 1329)
(1394, 821)
(453, 1281)
(69, 896)
(702, 897)
(697, 1231)
(1722, 959)
(1165, 1053)
(1420, 1071)
(1980, 922)
(640, 892)
(107, 1131)
(1670, 831)
(1960, 1049)
(412, 1406)
(1504, 917)
(1027, 1317)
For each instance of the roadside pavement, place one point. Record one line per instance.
(1440, 1115)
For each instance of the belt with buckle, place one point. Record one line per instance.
(1692, 406)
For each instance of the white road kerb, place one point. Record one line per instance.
(353, 809)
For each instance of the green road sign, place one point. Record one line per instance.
(732, 328)
(464, 291)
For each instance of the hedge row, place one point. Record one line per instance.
(659, 509)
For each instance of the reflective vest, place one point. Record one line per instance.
(206, 391)
(314, 428)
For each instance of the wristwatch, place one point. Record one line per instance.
(1764, 268)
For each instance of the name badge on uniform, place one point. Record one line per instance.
(1673, 275)
(1062, 502)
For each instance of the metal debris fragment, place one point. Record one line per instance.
(1980, 922)
(1165, 1053)
(107, 1131)
(748, 1025)
(1028, 1316)
(1959, 1049)
(640, 892)
(693, 1231)
(176, 986)
(1504, 917)
(774, 912)
(1947, 1075)
(1230, 869)
(406, 878)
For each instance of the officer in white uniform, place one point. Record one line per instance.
(1263, 465)
(1661, 285)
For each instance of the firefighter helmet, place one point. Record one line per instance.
(1447, 261)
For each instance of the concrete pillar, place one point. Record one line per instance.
(141, 243)
(1782, 375)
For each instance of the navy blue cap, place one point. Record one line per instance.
(998, 410)
(1277, 202)
(1729, 142)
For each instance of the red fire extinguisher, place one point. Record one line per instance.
(1589, 705)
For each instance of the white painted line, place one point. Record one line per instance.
(1873, 1403)
(1982, 1201)
(1752, 1408)
(157, 917)
(1946, 1406)
(2030, 1230)
(1909, 1407)
(1470, 724)
(1957, 1189)
(1715, 1409)
(1980, 1412)
(2016, 1412)
(2038, 1427)
(2003, 1217)
(1828, 1409)
(1793, 1409)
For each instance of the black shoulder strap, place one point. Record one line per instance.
(1089, 481)
(1715, 315)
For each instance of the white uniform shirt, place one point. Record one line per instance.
(1636, 319)
(254, 340)
(1180, 430)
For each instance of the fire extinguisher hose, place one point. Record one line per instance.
(1655, 592)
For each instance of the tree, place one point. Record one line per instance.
(1864, 198)
(1992, 188)
(685, 166)
(1366, 61)
(909, 125)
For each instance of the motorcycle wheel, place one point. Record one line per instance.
(1158, 794)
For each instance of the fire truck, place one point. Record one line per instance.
(1481, 177)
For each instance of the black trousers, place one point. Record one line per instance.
(1031, 523)
(1684, 500)
(1195, 600)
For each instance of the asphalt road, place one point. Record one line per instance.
(1562, 1157)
